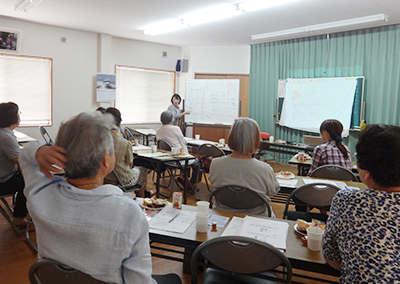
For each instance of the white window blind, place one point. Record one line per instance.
(143, 94)
(26, 81)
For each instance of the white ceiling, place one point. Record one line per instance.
(128, 18)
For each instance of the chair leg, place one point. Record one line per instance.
(7, 204)
(208, 187)
(8, 218)
(28, 240)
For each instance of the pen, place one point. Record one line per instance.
(173, 218)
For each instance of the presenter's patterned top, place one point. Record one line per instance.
(363, 232)
(329, 154)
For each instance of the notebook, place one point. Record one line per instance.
(312, 140)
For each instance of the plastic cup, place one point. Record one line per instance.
(314, 238)
(301, 156)
(153, 148)
(202, 206)
(271, 139)
(197, 137)
(222, 141)
(202, 222)
(174, 150)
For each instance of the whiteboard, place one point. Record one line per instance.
(308, 102)
(212, 101)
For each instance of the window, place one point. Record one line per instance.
(143, 94)
(26, 81)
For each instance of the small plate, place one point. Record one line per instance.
(292, 176)
(151, 208)
(296, 228)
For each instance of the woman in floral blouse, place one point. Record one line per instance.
(362, 237)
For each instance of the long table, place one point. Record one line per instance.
(297, 252)
(289, 149)
(156, 161)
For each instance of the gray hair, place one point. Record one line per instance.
(86, 138)
(244, 136)
(166, 117)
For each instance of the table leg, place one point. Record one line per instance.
(187, 256)
(186, 182)
(158, 167)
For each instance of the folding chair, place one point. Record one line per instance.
(238, 260)
(318, 195)
(206, 152)
(135, 187)
(45, 135)
(333, 172)
(48, 271)
(4, 213)
(239, 198)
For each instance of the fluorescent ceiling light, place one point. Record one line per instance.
(166, 27)
(250, 6)
(323, 27)
(211, 16)
(26, 5)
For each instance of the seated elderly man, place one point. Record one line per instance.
(79, 221)
(362, 233)
(173, 135)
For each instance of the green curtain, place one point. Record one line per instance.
(373, 53)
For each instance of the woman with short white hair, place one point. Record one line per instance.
(240, 169)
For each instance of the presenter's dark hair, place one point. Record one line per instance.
(378, 152)
(8, 114)
(101, 109)
(176, 96)
(116, 114)
(335, 128)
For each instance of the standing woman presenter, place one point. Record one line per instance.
(174, 108)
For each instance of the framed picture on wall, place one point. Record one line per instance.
(9, 40)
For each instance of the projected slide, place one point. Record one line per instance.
(308, 102)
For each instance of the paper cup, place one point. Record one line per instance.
(314, 238)
(174, 150)
(301, 156)
(222, 141)
(271, 139)
(202, 222)
(197, 137)
(153, 148)
(202, 206)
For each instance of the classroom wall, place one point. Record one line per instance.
(76, 62)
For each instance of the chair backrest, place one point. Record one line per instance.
(333, 172)
(45, 135)
(49, 271)
(209, 150)
(163, 145)
(128, 135)
(313, 195)
(239, 198)
(240, 255)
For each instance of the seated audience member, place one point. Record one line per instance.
(362, 233)
(240, 169)
(332, 152)
(11, 180)
(128, 174)
(173, 135)
(79, 221)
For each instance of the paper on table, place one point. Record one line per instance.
(155, 155)
(179, 224)
(290, 183)
(269, 231)
(233, 227)
(140, 147)
(221, 220)
(339, 184)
